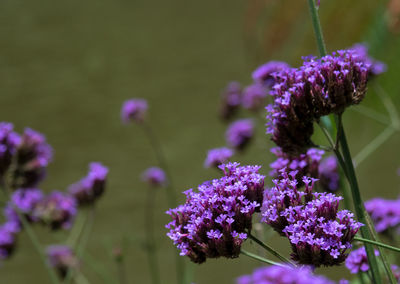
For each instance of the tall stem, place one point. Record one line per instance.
(358, 203)
(271, 250)
(317, 27)
(259, 258)
(379, 244)
(171, 196)
(151, 245)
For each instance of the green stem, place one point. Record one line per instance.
(259, 258)
(379, 244)
(172, 200)
(358, 203)
(151, 244)
(271, 250)
(317, 27)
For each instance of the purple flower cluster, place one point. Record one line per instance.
(217, 156)
(385, 214)
(215, 220)
(239, 133)
(62, 258)
(154, 176)
(282, 275)
(305, 164)
(357, 260)
(134, 110)
(319, 87)
(254, 96)
(376, 67)
(264, 73)
(231, 100)
(318, 233)
(56, 209)
(90, 188)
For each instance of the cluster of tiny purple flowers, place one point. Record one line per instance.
(385, 214)
(319, 234)
(215, 221)
(282, 275)
(23, 163)
(303, 95)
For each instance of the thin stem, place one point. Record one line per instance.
(32, 236)
(317, 27)
(371, 113)
(373, 145)
(270, 250)
(76, 231)
(151, 244)
(171, 196)
(358, 203)
(259, 258)
(379, 244)
(389, 105)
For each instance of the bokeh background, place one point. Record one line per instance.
(67, 66)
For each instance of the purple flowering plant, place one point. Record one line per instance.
(311, 200)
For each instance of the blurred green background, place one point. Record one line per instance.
(67, 66)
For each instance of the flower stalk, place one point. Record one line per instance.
(259, 258)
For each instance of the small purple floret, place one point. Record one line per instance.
(217, 156)
(154, 176)
(239, 133)
(62, 258)
(134, 110)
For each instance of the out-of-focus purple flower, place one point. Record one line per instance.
(90, 188)
(319, 234)
(217, 156)
(7, 243)
(376, 67)
(254, 97)
(283, 275)
(231, 99)
(239, 133)
(215, 220)
(134, 110)
(305, 164)
(32, 157)
(57, 210)
(319, 87)
(396, 272)
(154, 176)
(12, 221)
(25, 201)
(357, 261)
(62, 258)
(328, 174)
(264, 73)
(9, 140)
(385, 214)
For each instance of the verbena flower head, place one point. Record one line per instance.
(385, 214)
(90, 188)
(239, 133)
(231, 99)
(7, 242)
(264, 73)
(218, 156)
(283, 275)
(134, 110)
(319, 87)
(154, 176)
(25, 201)
(305, 164)
(12, 222)
(9, 140)
(376, 67)
(62, 258)
(254, 97)
(357, 261)
(57, 210)
(32, 157)
(328, 174)
(215, 221)
(318, 233)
